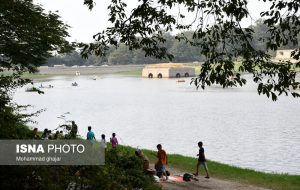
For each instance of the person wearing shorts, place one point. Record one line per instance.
(201, 160)
(162, 160)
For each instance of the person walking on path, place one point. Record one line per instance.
(162, 161)
(201, 160)
(90, 134)
(114, 141)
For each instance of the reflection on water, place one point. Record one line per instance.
(237, 126)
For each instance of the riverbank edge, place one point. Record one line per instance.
(222, 171)
(186, 164)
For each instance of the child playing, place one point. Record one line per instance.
(103, 141)
(201, 160)
(90, 134)
(114, 140)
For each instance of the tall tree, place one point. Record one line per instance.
(184, 52)
(219, 34)
(122, 55)
(28, 36)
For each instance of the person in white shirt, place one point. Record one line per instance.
(103, 141)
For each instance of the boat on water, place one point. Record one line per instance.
(77, 73)
(47, 86)
(74, 84)
(31, 89)
(181, 80)
(94, 77)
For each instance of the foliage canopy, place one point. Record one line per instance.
(28, 36)
(218, 33)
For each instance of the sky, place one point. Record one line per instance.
(85, 23)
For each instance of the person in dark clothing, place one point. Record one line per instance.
(35, 134)
(56, 135)
(201, 160)
(45, 134)
(74, 130)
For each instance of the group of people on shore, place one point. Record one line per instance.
(162, 158)
(58, 135)
(162, 162)
(47, 134)
(91, 137)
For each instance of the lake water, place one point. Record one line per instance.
(236, 125)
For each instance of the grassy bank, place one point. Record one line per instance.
(125, 70)
(134, 72)
(227, 172)
(29, 75)
(36, 76)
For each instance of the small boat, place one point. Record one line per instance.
(49, 86)
(182, 80)
(94, 78)
(74, 84)
(77, 73)
(31, 89)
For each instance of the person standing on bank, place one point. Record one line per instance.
(162, 161)
(90, 134)
(103, 142)
(114, 141)
(74, 130)
(201, 160)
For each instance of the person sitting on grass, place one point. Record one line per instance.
(50, 136)
(146, 163)
(35, 134)
(45, 134)
(56, 135)
(162, 161)
(201, 160)
(61, 135)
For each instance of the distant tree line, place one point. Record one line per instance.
(182, 51)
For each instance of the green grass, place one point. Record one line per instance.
(36, 75)
(135, 72)
(231, 173)
(29, 75)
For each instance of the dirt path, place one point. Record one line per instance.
(203, 183)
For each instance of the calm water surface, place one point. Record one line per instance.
(237, 126)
